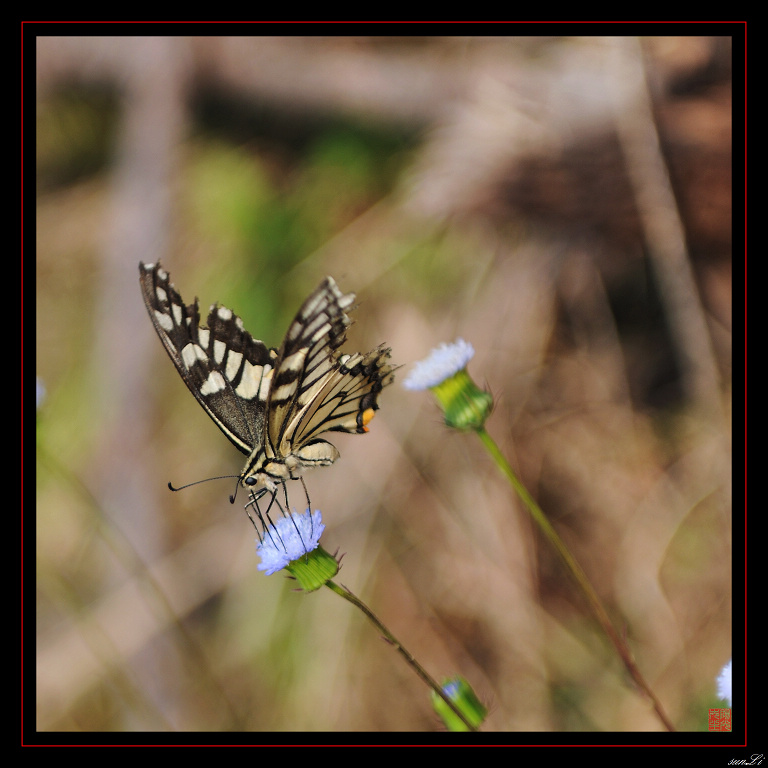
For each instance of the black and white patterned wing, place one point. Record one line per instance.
(315, 389)
(226, 369)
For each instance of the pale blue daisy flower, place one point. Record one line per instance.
(444, 373)
(291, 538)
(724, 684)
(443, 362)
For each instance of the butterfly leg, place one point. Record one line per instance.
(263, 517)
(306, 493)
(309, 503)
(287, 506)
(254, 502)
(273, 500)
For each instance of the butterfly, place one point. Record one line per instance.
(272, 404)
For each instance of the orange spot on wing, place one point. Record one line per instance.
(368, 414)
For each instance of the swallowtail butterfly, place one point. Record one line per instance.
(272, 404)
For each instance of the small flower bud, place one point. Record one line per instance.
(444, 371)
(461, 694)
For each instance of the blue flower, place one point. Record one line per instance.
(724, 684)
(443, 362)
(290, 539)
(452, 688)
(40, 391)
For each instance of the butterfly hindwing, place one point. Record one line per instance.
(272, 405)
(317, 390)
(307, 357)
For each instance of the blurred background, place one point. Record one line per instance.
(564, 204)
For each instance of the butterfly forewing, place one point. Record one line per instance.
(225, 368)
(272, 406)
(246, 366)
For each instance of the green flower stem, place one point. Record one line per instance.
(420, 671)
(577, 572)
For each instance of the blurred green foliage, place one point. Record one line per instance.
(75, 133)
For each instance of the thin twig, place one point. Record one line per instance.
(420, 671)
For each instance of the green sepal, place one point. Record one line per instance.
(464, 404)
(314, 569)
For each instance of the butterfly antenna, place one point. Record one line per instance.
(233, 496)
(197, 482)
